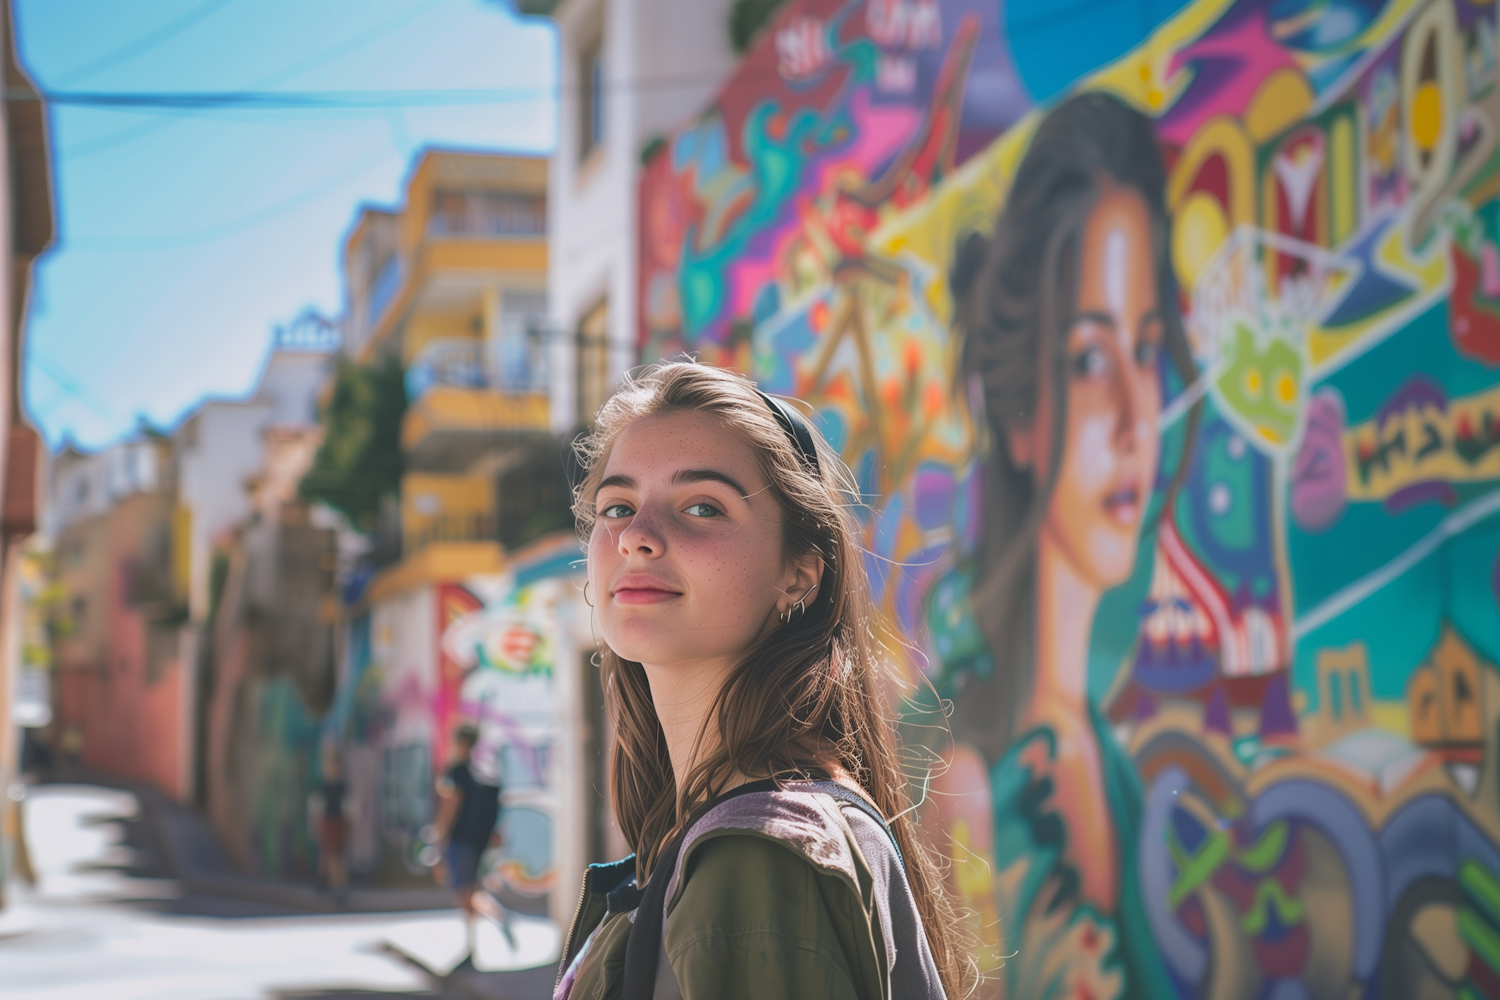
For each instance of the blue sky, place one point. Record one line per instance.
(184, 238)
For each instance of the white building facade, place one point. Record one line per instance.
(630, 71)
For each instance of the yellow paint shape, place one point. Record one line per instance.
(1428, 271)
(1343, 179)
(1286, 389)
(1199, 229)
(1415, 426)
(1392, 716)
(1225, 137)
(1427, 116)
(1282, 100)
(1253, 384)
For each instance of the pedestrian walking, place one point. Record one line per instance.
(468, 810)
(755, 771)
(333, 828)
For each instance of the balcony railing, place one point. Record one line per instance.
(473, 527)
(488, 213)
(516, 361)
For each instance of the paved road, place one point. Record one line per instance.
(98, 926)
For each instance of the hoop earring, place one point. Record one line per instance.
(586, 594)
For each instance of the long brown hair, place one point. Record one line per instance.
(808, 695)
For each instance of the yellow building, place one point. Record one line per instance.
(453, 285)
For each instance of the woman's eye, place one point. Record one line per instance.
(615, 510)
(701, 509)
(1090, 362)
(1146, 353)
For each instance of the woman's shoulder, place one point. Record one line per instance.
(783, 828)
(771, 898)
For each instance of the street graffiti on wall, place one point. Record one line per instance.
(1166, 353)
(507, 648)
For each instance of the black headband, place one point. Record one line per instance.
(796, 428)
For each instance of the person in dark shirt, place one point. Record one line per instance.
(467, 811)
(334, 828)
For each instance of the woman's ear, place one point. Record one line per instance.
(803, 576)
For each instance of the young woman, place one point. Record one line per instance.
(1068, 313)
(754, 770)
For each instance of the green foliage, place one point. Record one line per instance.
(651, 148)
(360, 458)
(746, 18)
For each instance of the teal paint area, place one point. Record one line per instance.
(284, 761)
(1054, 42)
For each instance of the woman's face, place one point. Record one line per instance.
(685, 559)
(1110, 443)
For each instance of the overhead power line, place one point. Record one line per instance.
(352, 100)
(338, 49)
(277, 100)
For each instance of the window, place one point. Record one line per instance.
(593, 361)
(590, 97)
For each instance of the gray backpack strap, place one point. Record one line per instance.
(848, 796)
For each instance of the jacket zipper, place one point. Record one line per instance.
(583, 895)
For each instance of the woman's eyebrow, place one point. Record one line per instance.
(1095, 316)
(709, 476)
(623, 482)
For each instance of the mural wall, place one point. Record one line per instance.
(483, 651)
(508, 651)
(1164, 341)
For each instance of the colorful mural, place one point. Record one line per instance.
(508, 648)
(1164, 341)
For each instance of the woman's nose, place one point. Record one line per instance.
(641, 536)
(1132, 390)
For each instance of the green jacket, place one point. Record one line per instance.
(772, 897)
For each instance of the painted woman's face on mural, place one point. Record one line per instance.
(1113, 398)
(685, 560)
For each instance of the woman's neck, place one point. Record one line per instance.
(683, 695)
(1066, 603)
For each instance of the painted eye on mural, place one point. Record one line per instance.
(702, 509)
(1146, 352)
(1090, 362)
(1284, 389)
(1254, 382)
(616, 510)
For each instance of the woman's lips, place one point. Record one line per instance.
(643, 591)
(1124, 505)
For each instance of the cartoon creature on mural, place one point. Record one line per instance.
(1164, 349)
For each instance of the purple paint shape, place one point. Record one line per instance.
(932, 496)
(1416, 392)
(1276, 718)
(1495, 581)
(1429, 491)
(1216, 715)
(1319, 472)
(1145, 705)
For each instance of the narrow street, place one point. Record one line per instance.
(105, 920)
